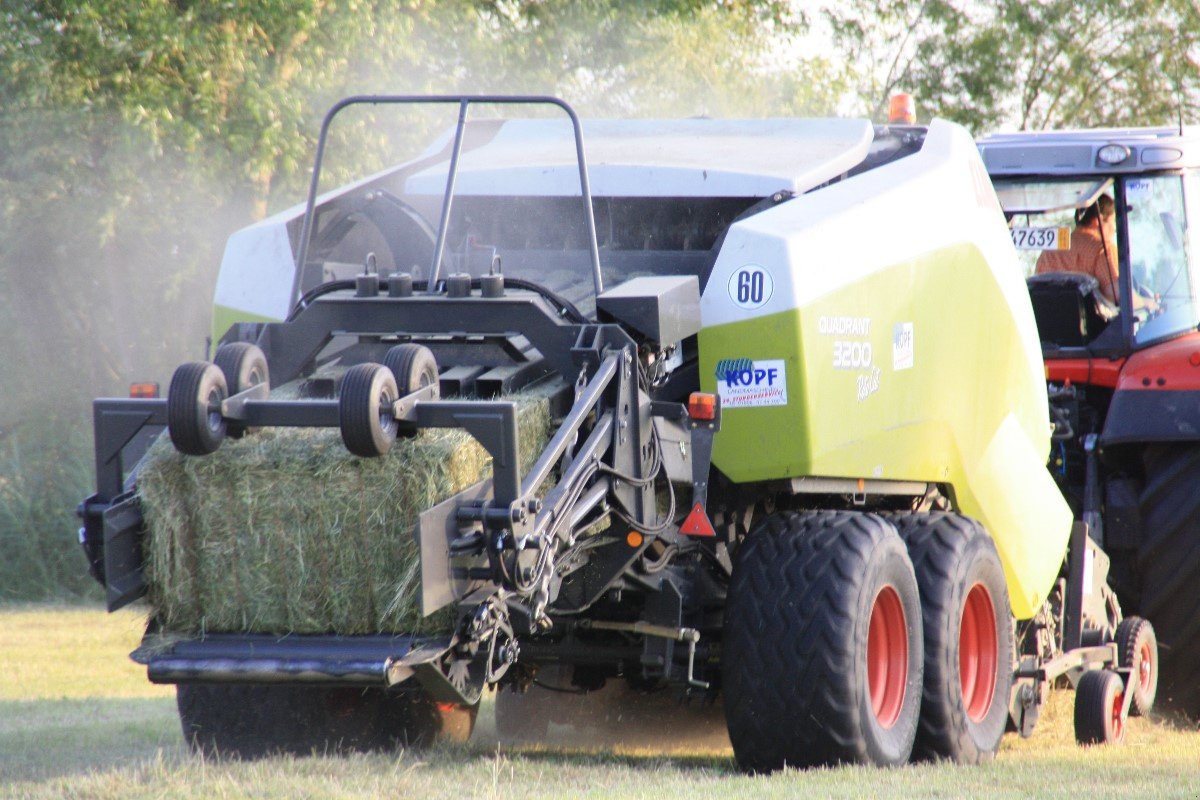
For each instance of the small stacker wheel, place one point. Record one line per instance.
(1099, 701)
(194, 398)
(413, 366)
(244, 366)
(365, 409)
(1137, 649)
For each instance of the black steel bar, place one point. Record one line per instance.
(291, 413)
(435, 269)
(462, 100)
(571, 424)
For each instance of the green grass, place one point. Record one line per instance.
(79, 720)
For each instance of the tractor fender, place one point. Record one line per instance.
(1157, 397)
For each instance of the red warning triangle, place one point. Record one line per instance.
(697, 523)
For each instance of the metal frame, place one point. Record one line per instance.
(464, 102)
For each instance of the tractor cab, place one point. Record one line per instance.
(1141, 185)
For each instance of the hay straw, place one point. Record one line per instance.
(284, 531)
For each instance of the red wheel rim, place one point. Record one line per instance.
(978, 652)
(1145, 666)
(887, 656)
(1118, 725)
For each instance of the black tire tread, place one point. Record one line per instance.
(359, 424)
(1130, 634)
(409, 363)
(941, 546)
(186, 422)
(792, 675)
(238, 361)
(1094, 697)
(1169, 570)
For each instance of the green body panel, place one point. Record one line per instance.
(968, 413)
(225, 317)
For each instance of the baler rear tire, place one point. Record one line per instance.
(1168, 565)
(822, 653)
(968, 636)
(367, 393)
(244, 365)
(1137, 650)
(246, 721)
(413, 366)
(194, 420)
(1098, 699)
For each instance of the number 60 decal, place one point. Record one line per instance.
(750, 286)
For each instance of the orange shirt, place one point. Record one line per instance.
(1089, 255)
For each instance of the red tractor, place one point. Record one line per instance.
(1101, 219)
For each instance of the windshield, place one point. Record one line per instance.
(1162, 259)
(1076, 226)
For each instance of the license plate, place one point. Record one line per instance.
(1041, 238)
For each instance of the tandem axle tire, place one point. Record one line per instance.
(244, 365)
(823, 650)
(194, 398)
(413, 366)
(365, 409)
(1137, 650)
(968, 636)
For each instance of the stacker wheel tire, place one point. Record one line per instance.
(365, 409)
(244, 721)
(244, 365)
(1098, 699)
(194, 420)
(522, 718)
(1137, 649)
(968, 636)
(1168, 565)
(822, 653)
(413, 366)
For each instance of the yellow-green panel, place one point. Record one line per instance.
(916, 372)
(225, 317)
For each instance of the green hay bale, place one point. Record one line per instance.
(284, 531)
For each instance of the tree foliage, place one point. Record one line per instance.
(1032, 65)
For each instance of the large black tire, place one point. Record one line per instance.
(243, 721)
(1169, 570)
(367, 393)
(244, 365)
(968, 636)
(413, 366)
(194, 420)
(1137, 650)
(1098, 699)
(822, 652)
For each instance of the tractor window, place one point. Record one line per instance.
(1162, 260)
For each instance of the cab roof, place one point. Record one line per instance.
(1077, 152)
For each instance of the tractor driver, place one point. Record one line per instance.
(1093, 248)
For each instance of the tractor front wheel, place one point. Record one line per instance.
(822, 643)
(968, 636)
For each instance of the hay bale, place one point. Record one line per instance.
(284, 531)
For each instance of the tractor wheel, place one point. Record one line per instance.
(1098, 700)
(365, 409)
(1137, 649)
(1169, 570)
(244, 365)
(243, 721)
(822, 646)
(194, 397)
(413, 366)
(968, 636)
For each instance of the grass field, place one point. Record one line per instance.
(79, 720)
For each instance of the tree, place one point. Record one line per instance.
(1032, 65)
